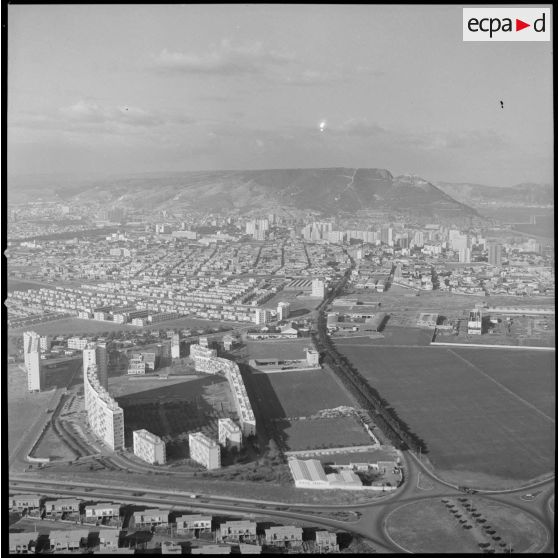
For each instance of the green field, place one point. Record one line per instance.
(325, 433)
(486, 415)
(295, 394)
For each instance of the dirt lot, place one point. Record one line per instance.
(281, 349)
(325, 433)
(295, 394)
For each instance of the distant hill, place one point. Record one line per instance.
(327, 190)
(520, 194)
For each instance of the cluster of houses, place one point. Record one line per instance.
(100, 530)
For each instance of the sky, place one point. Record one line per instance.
(150, 88)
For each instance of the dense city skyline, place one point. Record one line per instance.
(155, 88)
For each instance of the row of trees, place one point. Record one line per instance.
(368, 398)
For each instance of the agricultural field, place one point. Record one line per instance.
(295, 394)
(485, 416)
(464, 525)
(325, 433)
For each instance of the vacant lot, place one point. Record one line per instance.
(483, 415)
(437, 526)
(299, 304)
(281, 349)
(173, 410)
(77, 326)
(325, 433)
(393, 336)
(295, 394)
(25, 408)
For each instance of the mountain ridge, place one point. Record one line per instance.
(329, 190)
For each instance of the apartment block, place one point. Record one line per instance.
(32, 358)
(104, 415)
(149, 447)
(204, 451)
(230, 434)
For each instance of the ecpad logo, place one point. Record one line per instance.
(506, 24)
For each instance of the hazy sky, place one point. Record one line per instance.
(152, 88)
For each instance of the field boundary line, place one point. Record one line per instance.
(481, 346)
(471, 365)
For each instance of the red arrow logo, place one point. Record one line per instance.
(519, 25)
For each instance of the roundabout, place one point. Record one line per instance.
(463, 524)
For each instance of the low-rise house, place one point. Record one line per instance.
(280, 535)
(250, 548)
(100, 511)
(20, 502)
(62, 506)
(109, 539)
(68, 539)
(212, 549)
(151, 518)
(23, 543)
(191, 523)
(169, 547)
(326, 541)
(243, 530)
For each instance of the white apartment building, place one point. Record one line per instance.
(229, 433)
(104, 415)
(45, 342)
(474, 323)
(96, 353)
(77, 343)
(203, 358)
(262, 316)
(283, 310)
(204, 450)
(102, 510)
(175, 346)
(32, 358)
(318, 288)
(149, 447)
(312, 357)
(136, 365)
